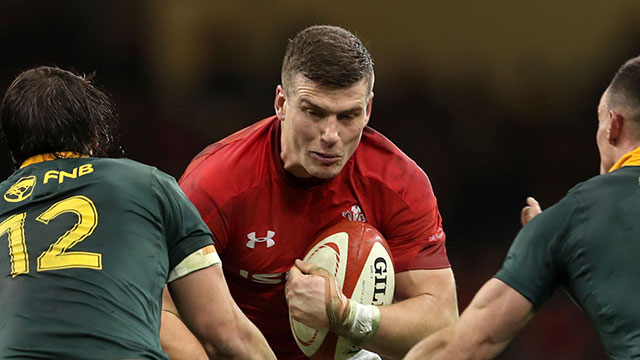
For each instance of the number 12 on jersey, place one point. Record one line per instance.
(56, 257)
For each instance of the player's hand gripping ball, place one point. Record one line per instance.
(354, 262)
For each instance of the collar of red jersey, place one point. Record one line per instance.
(51, 156)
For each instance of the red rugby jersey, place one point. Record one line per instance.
(263, 218)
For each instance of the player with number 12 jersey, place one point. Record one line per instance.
(91, 244)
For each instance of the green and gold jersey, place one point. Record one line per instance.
(589, 242)
(88, 246)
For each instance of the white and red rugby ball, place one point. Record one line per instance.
(359, 258)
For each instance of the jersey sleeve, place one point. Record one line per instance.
(414, 226)
(185, 232)
(534, 264)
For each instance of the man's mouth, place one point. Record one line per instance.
(325, 158)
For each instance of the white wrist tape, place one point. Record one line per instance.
(361, 323)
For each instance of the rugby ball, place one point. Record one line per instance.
(359, 258)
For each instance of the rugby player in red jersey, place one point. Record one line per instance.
(269, 190)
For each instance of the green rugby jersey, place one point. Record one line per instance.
(88, 244)
(589, 242)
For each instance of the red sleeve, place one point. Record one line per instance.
(414, 226)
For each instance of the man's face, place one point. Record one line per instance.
(607, 157)
(321, 128)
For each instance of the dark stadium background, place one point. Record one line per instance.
(495, 100)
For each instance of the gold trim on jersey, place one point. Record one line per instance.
(51, 156)
(199, 259)
(632, 158)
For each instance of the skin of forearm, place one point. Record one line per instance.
(177, 341)
(405, 323)
(455, 343)
(210, 314)
(433, 346)
(486, 349)
(466, 339)
(485, 328)
(238, 339)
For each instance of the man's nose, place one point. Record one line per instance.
(330, 130)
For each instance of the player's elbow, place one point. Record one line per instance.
(450, 313)
(446, 310)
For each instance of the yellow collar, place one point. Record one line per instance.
(51, 156)
(632, 158)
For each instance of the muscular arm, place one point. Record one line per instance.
(425, 302)
(177, 341)
(495, 315)
(207, 308)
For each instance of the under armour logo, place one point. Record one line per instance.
(251, 244)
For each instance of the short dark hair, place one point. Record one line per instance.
(624, 89)
(50, 110)
(328, 55)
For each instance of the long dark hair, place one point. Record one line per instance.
(50, 110)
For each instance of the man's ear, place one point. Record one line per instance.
(615, 126)
(279, 102)
(368, 109)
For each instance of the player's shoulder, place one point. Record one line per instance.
(616, 180)
(125, 166)
(224, 154)
(128, 171)
(123, 163)
(381, 161)
(617, 184)
(237, 161)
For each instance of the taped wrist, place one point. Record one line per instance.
(359, 322)
(353, 321)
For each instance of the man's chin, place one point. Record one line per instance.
(326, 173)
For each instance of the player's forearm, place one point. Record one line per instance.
(462, 340)
(405, 323)
(237, 340)
(495, 315)
(431, 346)
(177, 341)
(448, 344)
(208, 310)
(257, 346)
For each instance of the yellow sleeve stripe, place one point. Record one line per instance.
(200, 259)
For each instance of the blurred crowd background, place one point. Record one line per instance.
(495, 100)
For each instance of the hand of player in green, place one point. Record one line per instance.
(530, 211)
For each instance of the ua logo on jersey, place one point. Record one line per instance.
(251, 244)
(355, 214)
